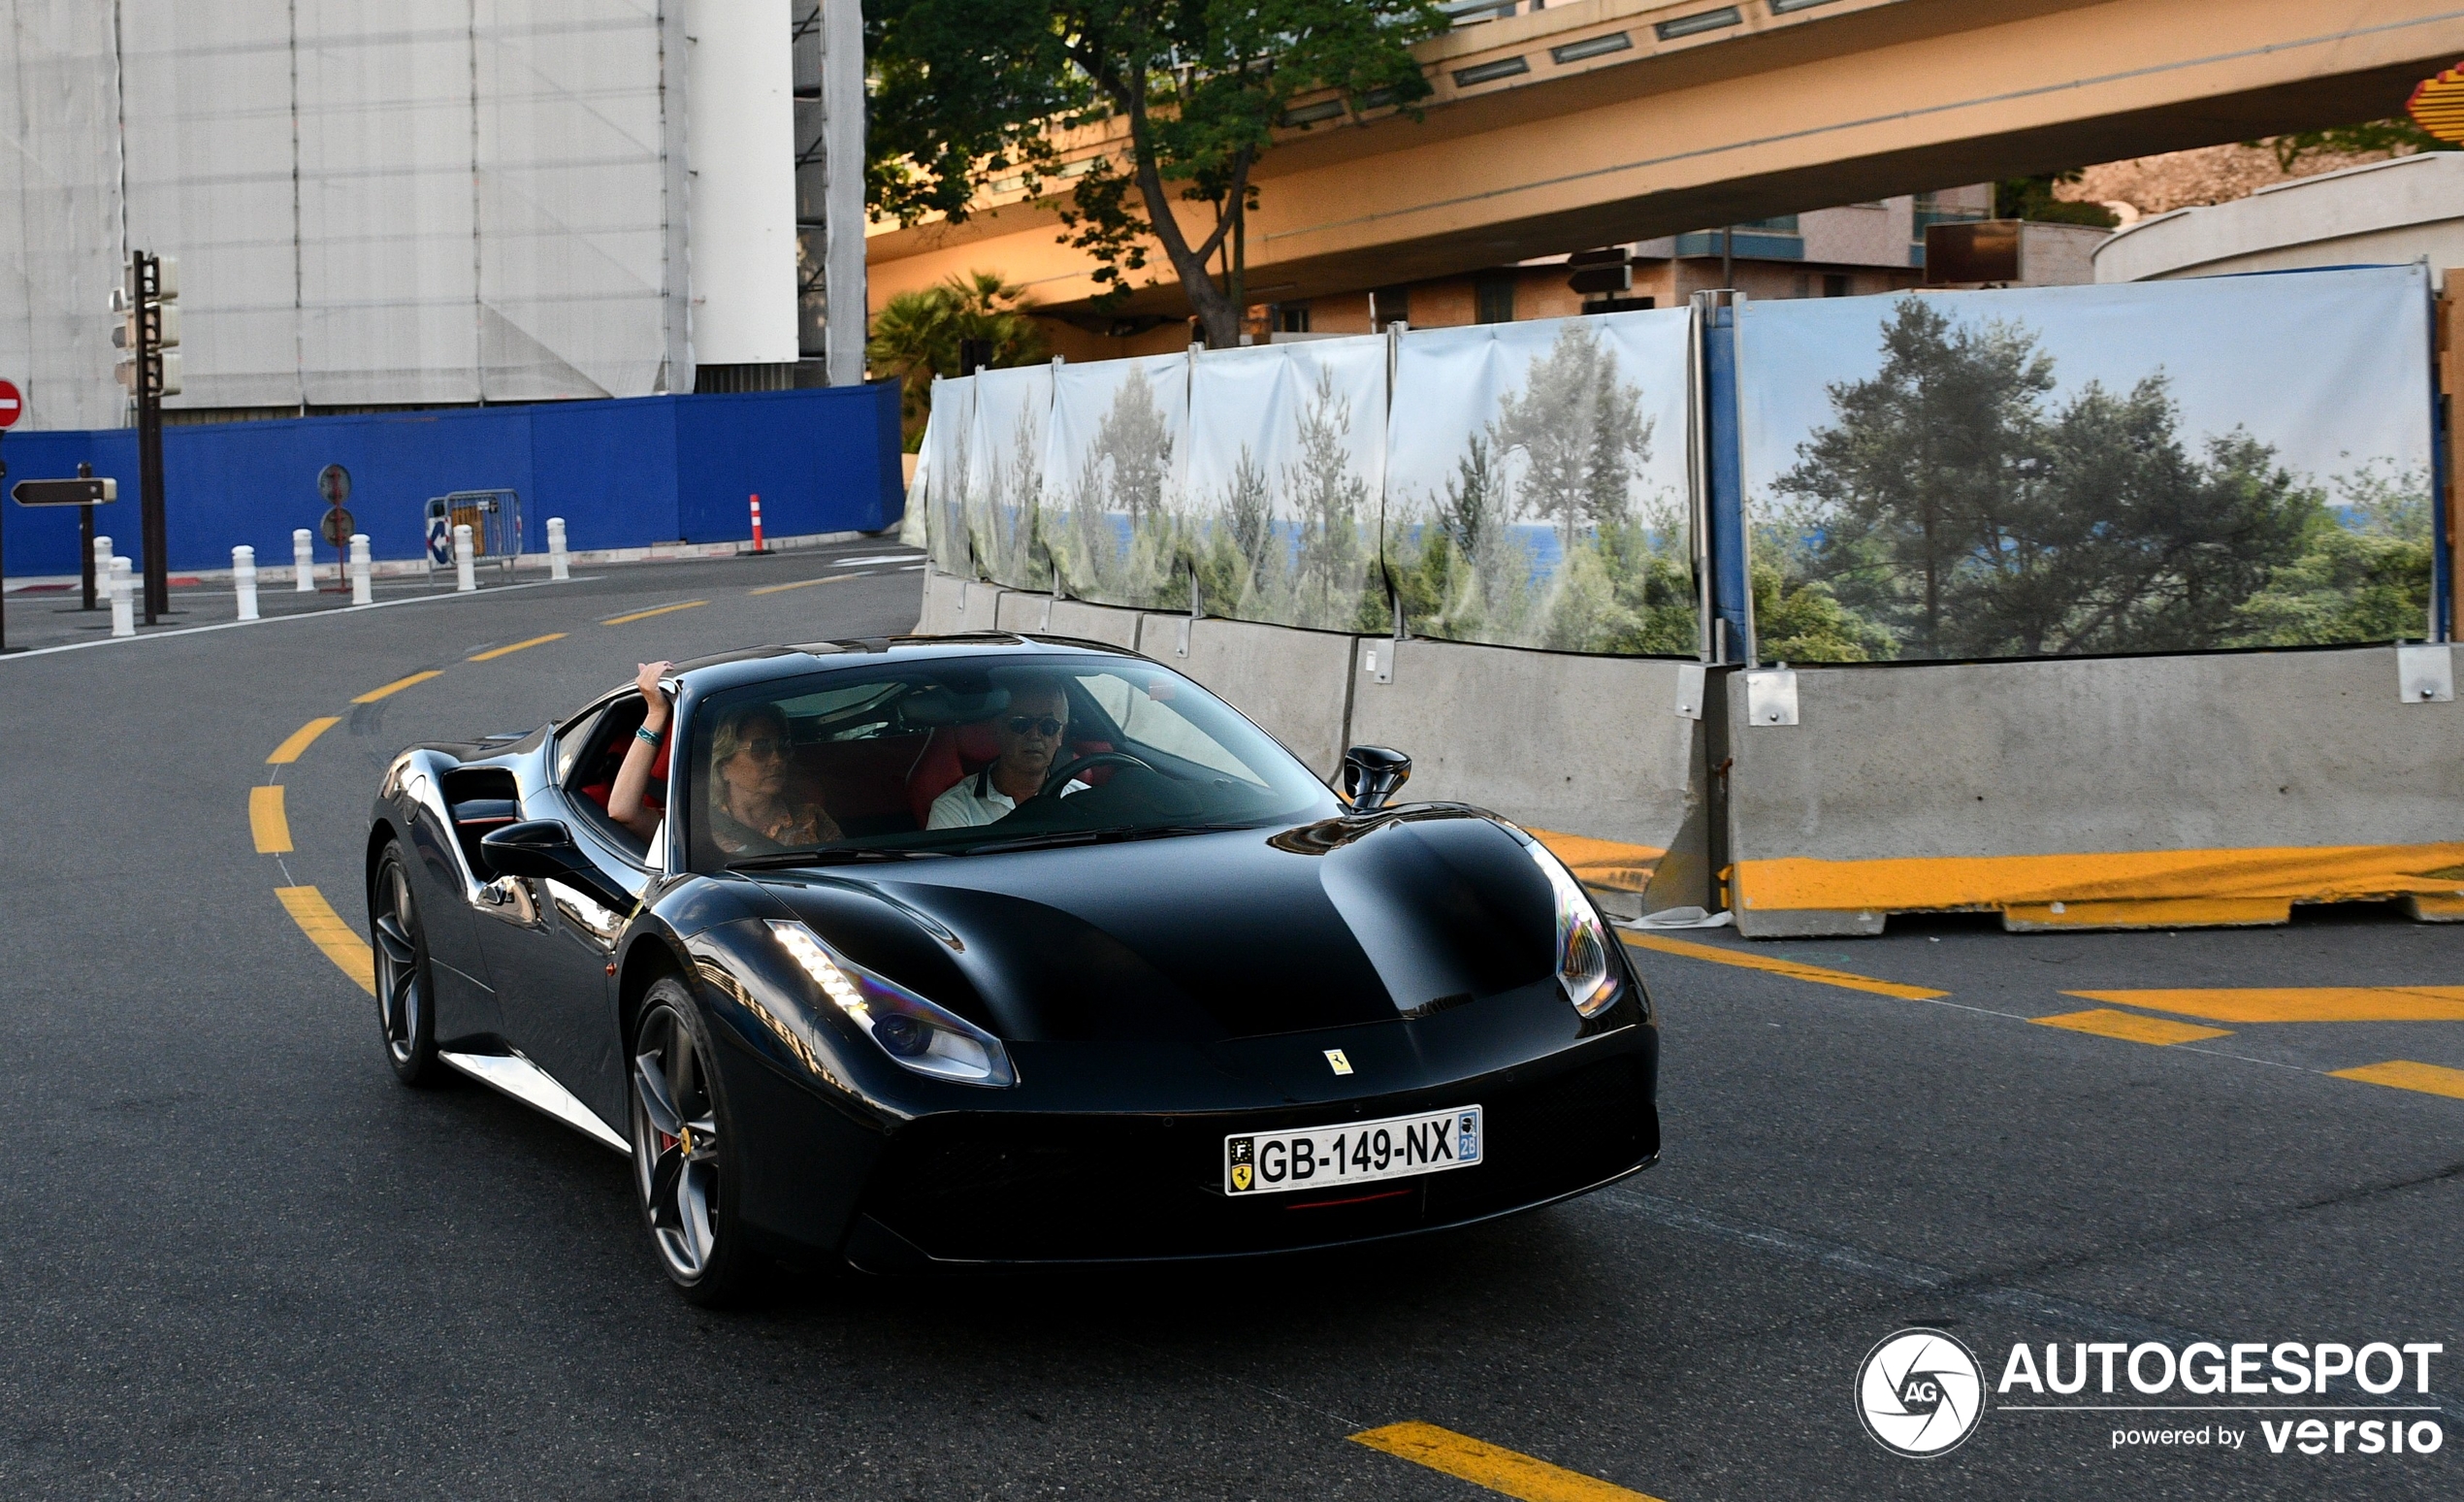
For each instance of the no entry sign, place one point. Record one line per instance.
(12, 404)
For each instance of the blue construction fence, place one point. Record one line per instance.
(623, 472)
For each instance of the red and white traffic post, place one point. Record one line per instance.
(11, 408)
(757, 524)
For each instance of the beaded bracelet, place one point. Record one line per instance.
(651, 737)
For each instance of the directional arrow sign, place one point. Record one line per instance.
(65, 492)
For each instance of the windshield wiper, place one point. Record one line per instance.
(826, 857)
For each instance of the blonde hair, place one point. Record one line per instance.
(728, 739)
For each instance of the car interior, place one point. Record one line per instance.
(875, 754)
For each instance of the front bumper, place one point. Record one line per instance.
(993, 1188)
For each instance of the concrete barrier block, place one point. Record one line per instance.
(2156, 792)
(1106, 624)
(1590, 748)
(956, 604)
(1293, 683)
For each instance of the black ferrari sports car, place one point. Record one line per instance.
(999, 950)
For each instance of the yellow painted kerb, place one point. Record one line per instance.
(2223, 885)
(326, 929)
(266, 822)
(300, 740)
(1500, 1469)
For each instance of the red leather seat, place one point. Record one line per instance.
(656, 795)
(957, 751)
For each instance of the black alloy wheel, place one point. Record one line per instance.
(681, 1169)
(406, 988)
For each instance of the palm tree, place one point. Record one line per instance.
(915, 336)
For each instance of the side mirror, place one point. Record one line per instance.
(1372, 775)
(543, 849)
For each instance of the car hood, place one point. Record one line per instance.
(1232, 933)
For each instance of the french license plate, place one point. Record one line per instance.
(1399, 1147)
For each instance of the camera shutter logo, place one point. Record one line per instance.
(1919, 1393)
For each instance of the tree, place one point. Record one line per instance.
(2032, 198)
(967, 92)
(915, 336)
(1581, 430)
(1950, 508)
(1920, 452)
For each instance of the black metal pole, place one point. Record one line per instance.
(4, 564)
(85, 540)
(148, 274)
(1728, 248)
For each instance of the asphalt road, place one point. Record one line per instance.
(241, 1261)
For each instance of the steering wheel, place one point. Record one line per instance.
(1062, 773)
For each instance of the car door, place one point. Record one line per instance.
(552, 943)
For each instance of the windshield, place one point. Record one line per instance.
(952, 757)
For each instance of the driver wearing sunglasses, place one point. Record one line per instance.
(1030, 737)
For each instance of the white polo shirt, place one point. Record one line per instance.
(976, 800)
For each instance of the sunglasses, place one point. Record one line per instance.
(762, 749)
(1037, 724)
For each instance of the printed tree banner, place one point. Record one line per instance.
(1287, 462)
(1001, 482)
(2159, 466)
(940, 473)
(1111, 517)
(1537, 484)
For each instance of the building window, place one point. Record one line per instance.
(1289, 317)
(1389, 304)
(1835, 284)
(1494, 297)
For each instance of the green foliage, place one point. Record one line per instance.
(1798, 621)
(969, 92)
(2032, 198)
(2364, 582)
(915, 336)
(1953, 509)
(2399, 136)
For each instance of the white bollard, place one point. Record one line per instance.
(102, 564)
(243, 579)
(123, 609)
(465, 577)
(363, 592)
(560, 565)
(303, 560)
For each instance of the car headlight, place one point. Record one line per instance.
(1584, 966)
(920, 1035)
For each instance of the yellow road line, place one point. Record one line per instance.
(326, 929)
(643, 615)
(397, 685)
(772, 589)
(2132, 1028)
(265, 820)
(1788, 967)
(2404, 1074)
(290, 751)
(494, 653)
(1483, 1464)
(2299, 1004)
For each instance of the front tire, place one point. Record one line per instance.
(405, 984)
(684, 1172)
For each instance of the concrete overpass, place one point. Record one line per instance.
(1608, 120)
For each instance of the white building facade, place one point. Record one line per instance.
(426, 203)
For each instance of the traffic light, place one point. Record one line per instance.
(149, 330)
